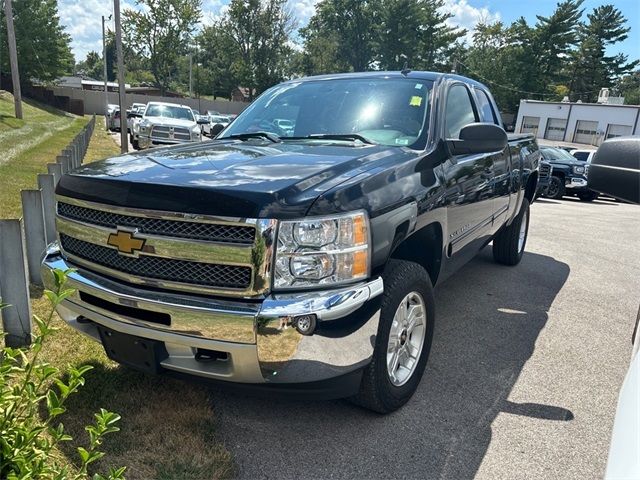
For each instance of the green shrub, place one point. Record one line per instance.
(32, 394)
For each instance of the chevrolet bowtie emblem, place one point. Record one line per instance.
(125, 242)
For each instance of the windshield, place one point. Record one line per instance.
(387, 111)
(169, 111)
(557, 154)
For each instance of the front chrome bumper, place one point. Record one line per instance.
(257, 338)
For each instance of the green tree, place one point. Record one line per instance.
(161, 31)
(629, 87)
(321, 52)
(92, 66)
(44, 51)
(260, 32)
(524, 61)
(216, 53)
(347, 27)
(591, 68)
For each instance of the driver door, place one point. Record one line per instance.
(468, 181)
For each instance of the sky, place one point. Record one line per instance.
(82, 19)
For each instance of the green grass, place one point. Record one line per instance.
(28, 145)
(167, 426)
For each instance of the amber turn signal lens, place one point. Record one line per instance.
(359, 263)
(359, 230)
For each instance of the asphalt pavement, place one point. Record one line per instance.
(522, 382)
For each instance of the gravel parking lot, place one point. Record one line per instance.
(523, 378)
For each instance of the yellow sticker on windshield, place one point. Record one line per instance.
(416, 101)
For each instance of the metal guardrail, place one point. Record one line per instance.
(24, 240)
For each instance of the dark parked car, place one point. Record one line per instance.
(301, 259)
(569, 176)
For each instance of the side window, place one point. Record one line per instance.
(484, 105)
(459, 111)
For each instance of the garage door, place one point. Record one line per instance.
(586, 132)
(555, 129)
(618, 130)
(530, 125)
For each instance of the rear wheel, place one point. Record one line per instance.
(509, 243)
(403, 341)
(556, 188)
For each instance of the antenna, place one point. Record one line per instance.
(405, 70)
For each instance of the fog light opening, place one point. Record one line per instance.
(205, 356)
(305, 324)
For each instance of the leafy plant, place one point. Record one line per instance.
(29, 387)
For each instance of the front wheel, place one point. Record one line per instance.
(556, 188)
(403, 341)
(509, 242)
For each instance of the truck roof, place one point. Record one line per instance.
(417, 75)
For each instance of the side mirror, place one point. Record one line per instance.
(615, 169)
(202, 121)
(479, 138)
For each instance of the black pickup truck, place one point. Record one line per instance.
(305, 259)
(568, 177)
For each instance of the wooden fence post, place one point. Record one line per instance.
(33, 217)
(14, 285)
(47, 186)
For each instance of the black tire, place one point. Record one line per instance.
(506, 244)
(556, 188)
(587, 196)
(135, 145)
(377, 393)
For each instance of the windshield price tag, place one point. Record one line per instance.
(415, 101)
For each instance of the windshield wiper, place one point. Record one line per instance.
(334, 136)
(272, 137)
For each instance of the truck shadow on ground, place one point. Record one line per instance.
(489, 318)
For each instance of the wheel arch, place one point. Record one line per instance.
(531, 186)
(424, 246)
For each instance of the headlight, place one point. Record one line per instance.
(578, 169)
(322, 251)
(195, 132)
(143, 127)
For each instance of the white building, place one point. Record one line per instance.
(588, 123)
(86, 84)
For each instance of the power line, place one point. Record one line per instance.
(511, 88)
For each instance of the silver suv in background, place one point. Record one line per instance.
(166, 124)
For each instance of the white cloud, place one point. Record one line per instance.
(303, 9)
(467, 16)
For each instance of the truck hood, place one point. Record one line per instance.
(227, 178)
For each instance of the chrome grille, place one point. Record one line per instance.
(155, 226)
(147, 266)
(164, 132)
(545, 170)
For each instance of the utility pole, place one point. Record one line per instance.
(124, 142)
(104, 61)
(190, 75)
(13, 58)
